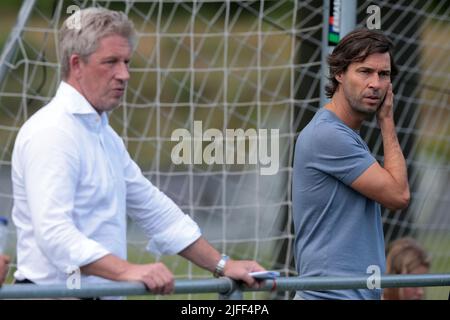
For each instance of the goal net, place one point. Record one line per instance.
(422, 114)
(222, 66)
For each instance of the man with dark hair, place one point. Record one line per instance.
(338, 185)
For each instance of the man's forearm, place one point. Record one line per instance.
(394, 161)
(202, 254)
(109, 267)
(155, 276)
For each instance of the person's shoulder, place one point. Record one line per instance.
(329, 121)
(324, 127)
(49, 121)
(51, 115)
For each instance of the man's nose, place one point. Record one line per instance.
(123, 73)
(374, 81)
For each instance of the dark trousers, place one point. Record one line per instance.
(24, 281)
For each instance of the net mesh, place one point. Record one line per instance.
(249, 65)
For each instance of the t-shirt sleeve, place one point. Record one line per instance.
(338, 152)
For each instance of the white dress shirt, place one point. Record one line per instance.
(74, 182)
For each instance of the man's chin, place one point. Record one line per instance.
(115, 103)
(371, 111)
(368, 111)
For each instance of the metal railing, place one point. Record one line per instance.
(225, 287)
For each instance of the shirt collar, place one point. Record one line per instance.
(77, 104)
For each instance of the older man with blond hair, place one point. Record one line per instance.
(74, 181)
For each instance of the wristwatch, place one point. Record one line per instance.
(218, 271)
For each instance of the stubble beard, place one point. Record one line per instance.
(358, 107)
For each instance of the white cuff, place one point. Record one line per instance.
(175, 238)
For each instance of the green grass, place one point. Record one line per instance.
(438, 246)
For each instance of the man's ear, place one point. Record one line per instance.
(75, 65)
(339, 77)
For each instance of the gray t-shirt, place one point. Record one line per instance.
(338, 231)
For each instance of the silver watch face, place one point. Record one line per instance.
(218, 272)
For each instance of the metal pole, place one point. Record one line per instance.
(234, 292)
(21, 291)
(224, 286)
(11, 44)
(340, 283)
(348, 17)
(339, 18)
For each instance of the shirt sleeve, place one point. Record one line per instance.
(51, 172)
(340, 153)
(168, 229)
